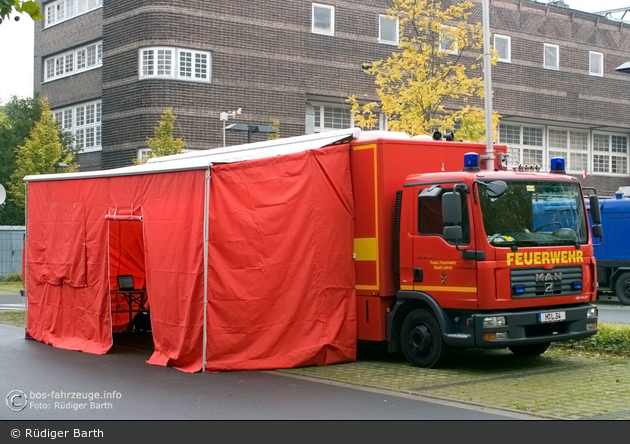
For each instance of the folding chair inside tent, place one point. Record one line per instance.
(135, 298)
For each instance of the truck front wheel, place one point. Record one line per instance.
(622, 288)
(421, 339)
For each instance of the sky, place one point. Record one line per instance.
(16, 48)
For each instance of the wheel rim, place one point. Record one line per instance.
(626, 287)
(421, 339)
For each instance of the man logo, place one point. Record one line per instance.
(546, 277)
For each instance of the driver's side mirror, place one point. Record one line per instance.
(452, 216)
(596, 213)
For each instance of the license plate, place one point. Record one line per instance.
(554, 316)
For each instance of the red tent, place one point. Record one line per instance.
(260, 235)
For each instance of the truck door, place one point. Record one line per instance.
(438, 266)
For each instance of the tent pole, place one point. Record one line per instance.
(25, 277)
(206, 217)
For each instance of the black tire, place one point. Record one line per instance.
(421, 339)
(622, 288)
(530, 350)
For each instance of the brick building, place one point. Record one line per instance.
(110, 67)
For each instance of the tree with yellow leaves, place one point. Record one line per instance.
(424, 85)
(164, 144)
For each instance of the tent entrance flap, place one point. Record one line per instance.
(127, 274)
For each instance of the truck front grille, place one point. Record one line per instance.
(539, 282)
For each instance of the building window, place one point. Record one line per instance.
(388, 30)
(525, 143)
(73, 62)
(175, 63)
(596, 64)
(448, 44)
(571, 145)
(323, 19)
(329, 117)
(503, 47)
(551, 56)
(143, 154)
(84, 122)
(321, 117)
(62, 10)
(610, 154)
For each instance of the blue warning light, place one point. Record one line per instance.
(557, 165)
(471, 162)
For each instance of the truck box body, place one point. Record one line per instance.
(613, 254)
(380, 166)
(615, 224)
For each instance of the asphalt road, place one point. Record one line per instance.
(135, 390)
(619, 314)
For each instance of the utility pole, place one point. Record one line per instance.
(487, 85)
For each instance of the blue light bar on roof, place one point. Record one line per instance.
(471, 162)
(557, 165)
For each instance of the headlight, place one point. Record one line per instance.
(592, 312)
(494, 321)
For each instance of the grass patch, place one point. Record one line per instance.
(10, 287)
(12, 277)
(13, 317)
(612, 340)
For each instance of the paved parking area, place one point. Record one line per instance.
(548, 386)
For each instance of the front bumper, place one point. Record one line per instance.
(524, 328)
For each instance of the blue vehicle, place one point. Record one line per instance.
(613, 254)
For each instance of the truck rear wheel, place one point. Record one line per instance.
(622, 288)
(421, 339)
(530, 350)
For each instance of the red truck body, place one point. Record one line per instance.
(399, 271)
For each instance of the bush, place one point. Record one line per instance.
(611, 339)
(12, 277)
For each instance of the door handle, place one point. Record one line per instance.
(417, 275)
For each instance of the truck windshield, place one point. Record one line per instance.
(526, 214)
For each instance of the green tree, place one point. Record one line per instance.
(424, 85)
(40, 153)
(18, 119)
(164, 144)
(29, 7)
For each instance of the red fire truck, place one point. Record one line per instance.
(448, 255)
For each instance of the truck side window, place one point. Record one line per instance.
(430, 221)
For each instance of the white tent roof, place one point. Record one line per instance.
(204, 159)
(624, 67)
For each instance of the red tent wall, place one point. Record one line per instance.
(173, 236)
(67, 261)
(281, 278)
(67, 286)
